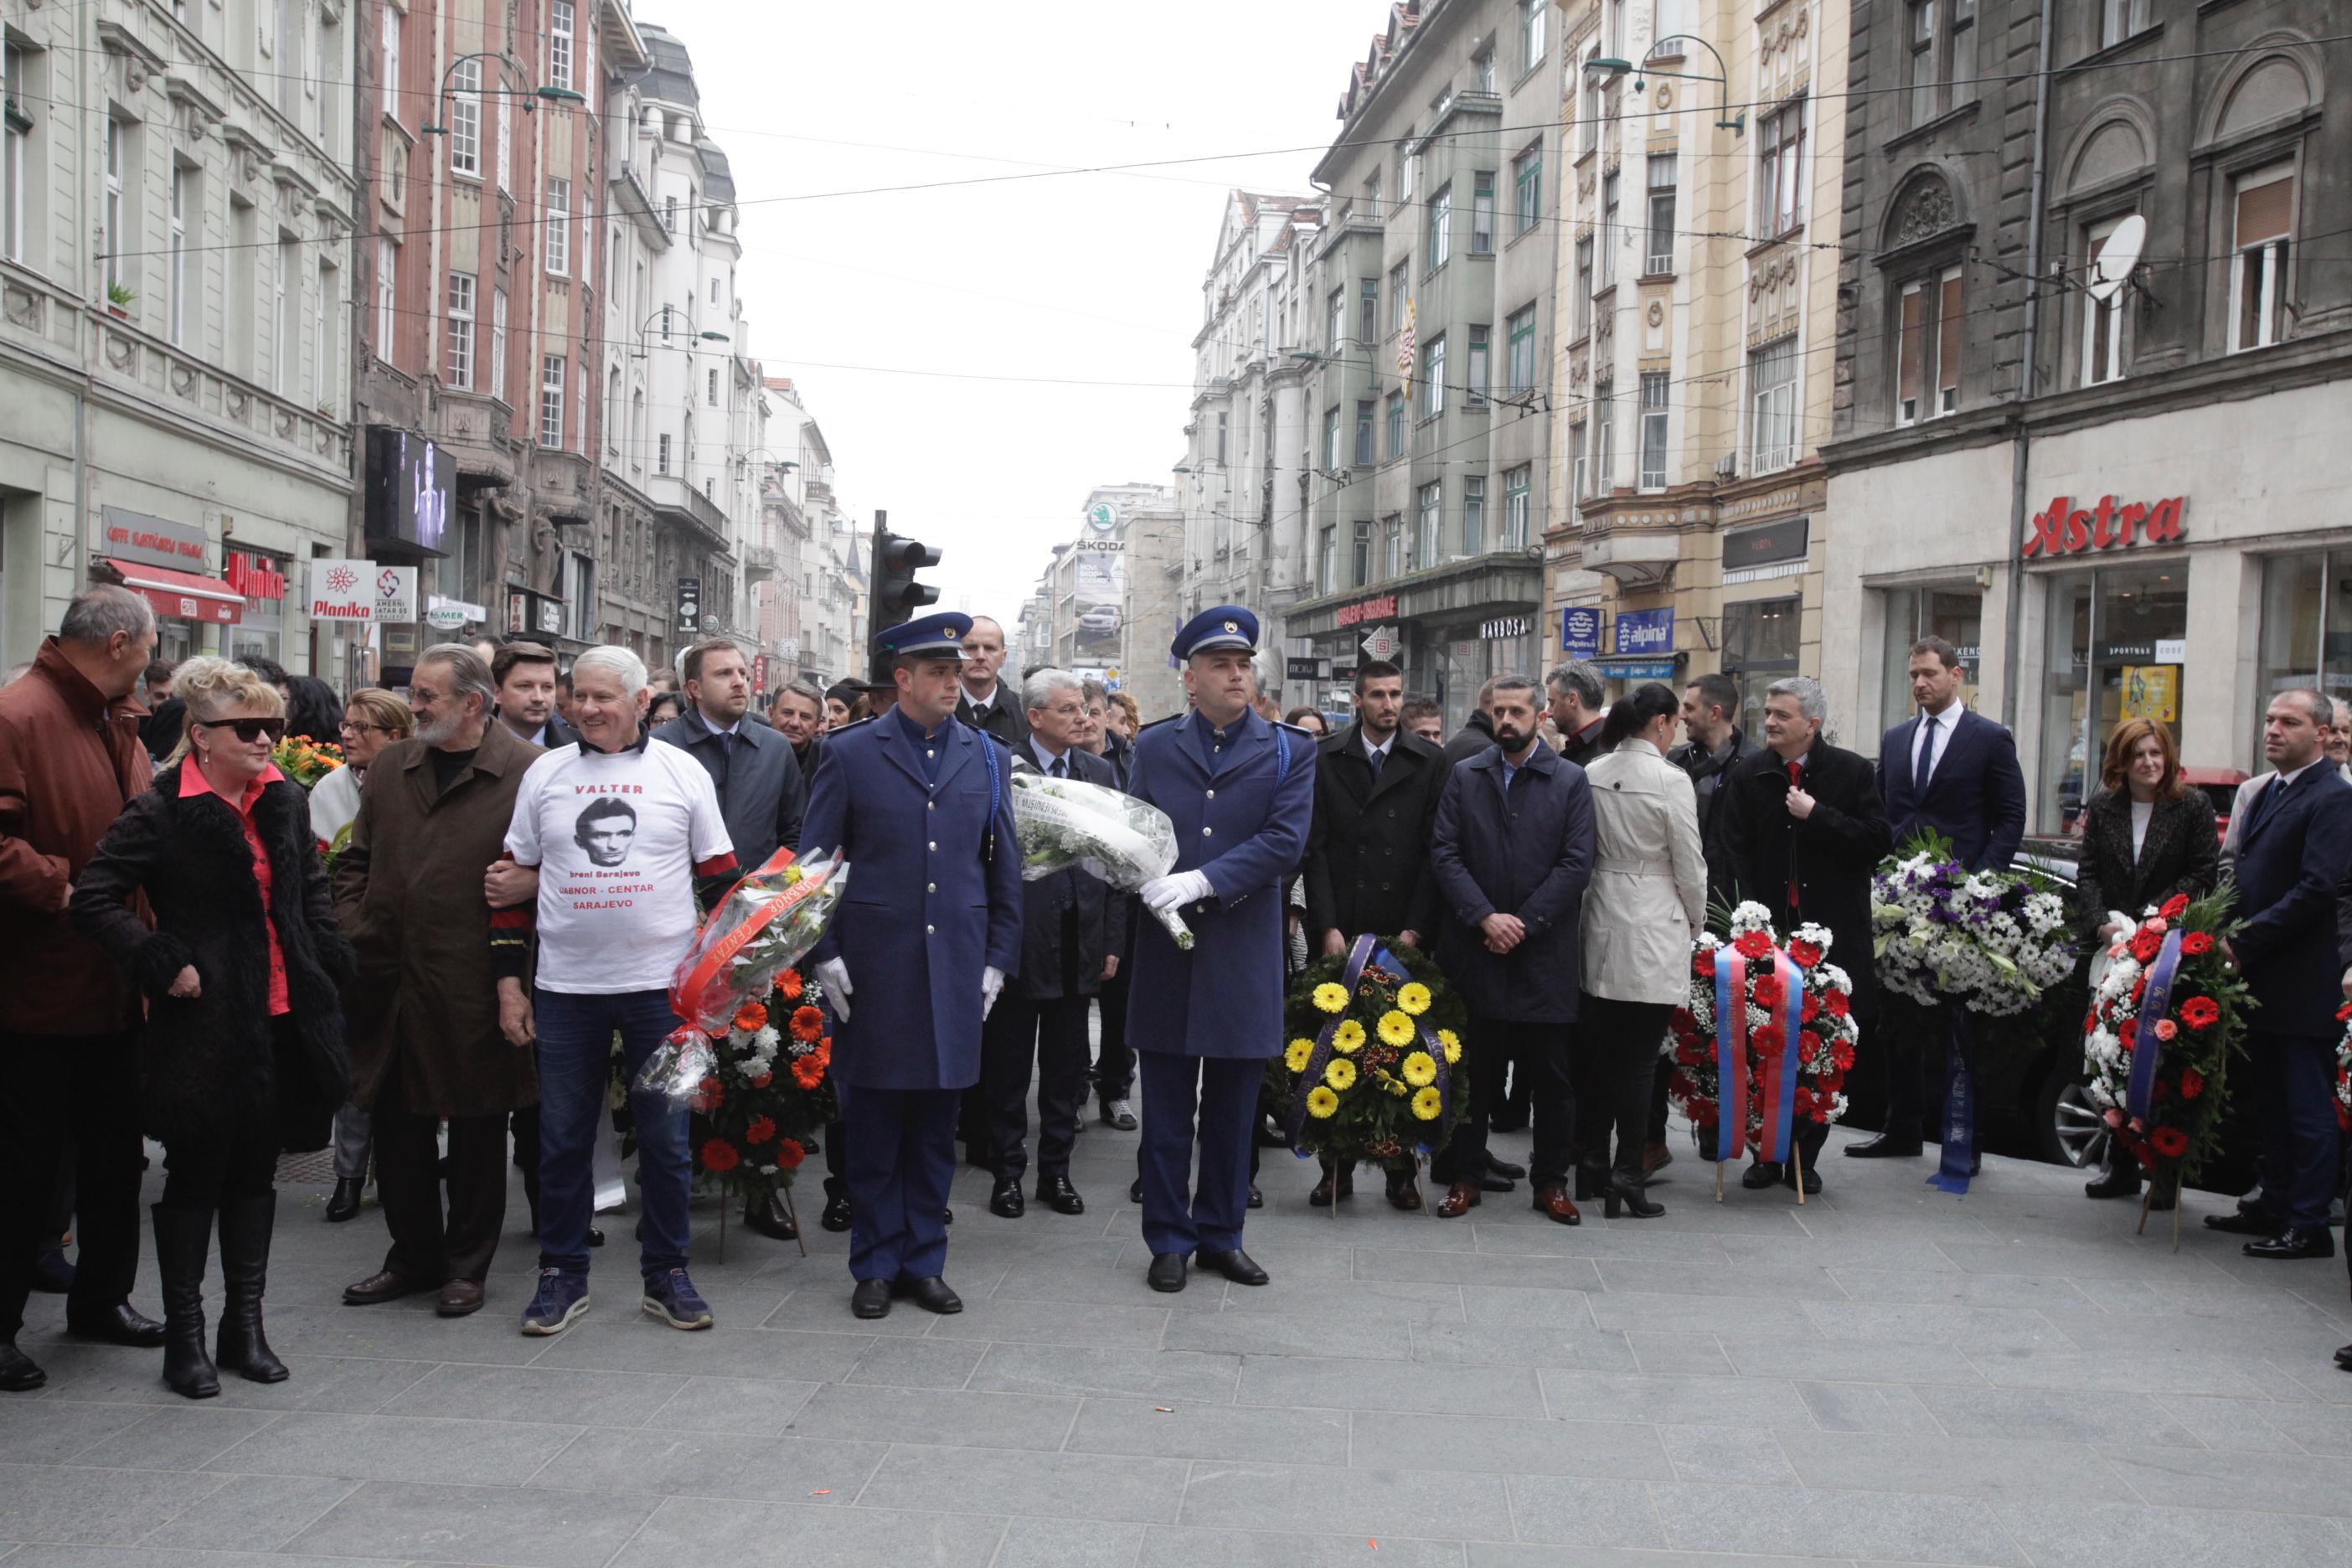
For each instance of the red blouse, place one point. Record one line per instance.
(192, 782)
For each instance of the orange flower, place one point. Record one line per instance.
(808, 1072)
(761, 1129)
(752, 1018)
(788, 985)
(807, 1023)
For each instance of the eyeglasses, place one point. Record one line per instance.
(350, 727)
(247, 730)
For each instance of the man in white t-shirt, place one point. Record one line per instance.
(622, 830)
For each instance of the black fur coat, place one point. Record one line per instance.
(210, 1067)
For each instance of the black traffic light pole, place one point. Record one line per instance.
(894, 595)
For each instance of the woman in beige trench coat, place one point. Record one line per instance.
(1646, 902)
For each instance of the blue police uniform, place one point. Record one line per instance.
(1203, 1023)
(934, 896)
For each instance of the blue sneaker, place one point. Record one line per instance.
(561, 1298)
(671, 1297)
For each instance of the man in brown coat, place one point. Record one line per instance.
(70, 760)
(425, 1040)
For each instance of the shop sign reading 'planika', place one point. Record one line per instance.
(2066, 529)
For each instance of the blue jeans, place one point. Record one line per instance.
(576, 1063)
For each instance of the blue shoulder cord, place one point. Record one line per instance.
(988, 756)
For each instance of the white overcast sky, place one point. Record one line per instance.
(1091, 278)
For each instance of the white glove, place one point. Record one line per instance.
(991, 981)
(1176, 888)
(833, 975)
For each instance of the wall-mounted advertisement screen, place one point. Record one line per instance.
(1100, 593)
(412, 488)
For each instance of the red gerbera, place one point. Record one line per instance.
(1841, 1055)
(2173, 907)
(1703, 964)
(752, 1017)
(762, 1081)
(1767, 991)
(1812, 1008)
(807, 1023)
(788, 985)
(808, 1072)
(2200, 1012)
(1769, 1039)
(761, 1129)
(720, 1156)
(789, 1156)
(1806, 953)
(708, 1096)
(2196, 942)
(2192, 1083)
(2127, 1031)
(1754, 944)
(2170, 1143)
(1809, 1044)
(1690, 1053)
(1839, 1004)
(2146, 944)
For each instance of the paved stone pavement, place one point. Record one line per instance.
(1888, 1375)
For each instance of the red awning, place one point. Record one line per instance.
(182, 595)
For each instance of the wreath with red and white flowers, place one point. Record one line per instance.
(1825, 1033)
(2164, 1022)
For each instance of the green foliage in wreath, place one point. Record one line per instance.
(1378, 1095)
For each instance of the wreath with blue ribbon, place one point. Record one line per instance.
(1373, 1064)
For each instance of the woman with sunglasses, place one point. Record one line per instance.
(242, 1053)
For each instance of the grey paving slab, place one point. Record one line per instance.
(1509, 1344)
(499, 1527)
(2263, 1483)
(1961, 1325)
(1536, 1236)
(917, 1364)
(1700, 1315)
(1488, 1445)
(50, 1431)
(182, 1437)
(1959, 1288)
(1363, 1503)
(1066, 1486)
(150, 1556)
(1725, 1456)
(1373, 1303)
(1363, 1385)
(1135, 1326)
(935, 1415)
(1915, 1462)
(1495, 1554)
(354, 1385)
(677, 1464)
(1784, 1281)
(252, 1513)
(640, 1344)
(1479, 1269)
(1195, 1375)
(1890, 1527)
(563, 1394)
(1674, 1401)
(754, 1407)
(2082, 1532)
(1866, 1407)
(1587, 1515)
(725, 1530)
(1068, 1544)
(1181, 1429)
(1862, 1361)
(2076, 1417)
(396, 1448)
(1184, 1547)
(75, 1503)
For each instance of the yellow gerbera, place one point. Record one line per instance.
(1331, 997)
(1295, 1054)
(1396, 1028)
(1321, 1102)
(1452, 1042)
(1426, 1104)
(1348, 1038)
(1414, 998)
(1339, 1073)
(1420, 1069)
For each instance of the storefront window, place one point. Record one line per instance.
(2307, 637)
(1760, 639)
(2117, 641)
(1955, 614)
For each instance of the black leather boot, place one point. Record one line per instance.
(1591, 1182)
(2120, 1179)
(1625, 1192)
(245, 1227)
(182, 1237)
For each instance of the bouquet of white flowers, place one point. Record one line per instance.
(1124, 841)
(1993, 941)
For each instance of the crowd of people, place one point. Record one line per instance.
(425, 960)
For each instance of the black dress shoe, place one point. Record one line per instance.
(2292, 1243)
(1134, 1191)
(1057, 1194)
(1166, 1273)
(596, 1237)
(345, 1204)
(1005, 1202)
(1491, 1179)
(769, 1217)
(2245, 1222)
(2119, 1180)
(1506, 1169)
(2343, 1359)
(1234, 1265)
(119, 1324)
(1812, 1178)
(1758, 1176)
(836, 1215)
(19, 1375)
(931, 1295)
(1336, 1182)
(1256, 1198)
(870, 1299)
(947, 1216)
(1886, 1146)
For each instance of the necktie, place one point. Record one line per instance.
(1376, 758)
(2262, 808)
(1796, 781)
(1923, 766)
(1062, 767)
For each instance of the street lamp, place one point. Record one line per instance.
(705, 336)
(533, 97)
(1611, 68)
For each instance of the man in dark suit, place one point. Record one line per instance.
(1713, 745)
(916, 952)
(1802, 830)
(1512, 850)
(1072, 934)
(2294, 857)
(525, 673)
(984, 702)
(1376, 792)
(1114, 1071)
(1578, 700)
(797, 711)
(1955, 773)
(1476, 735)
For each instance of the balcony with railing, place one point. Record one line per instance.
(679, 503)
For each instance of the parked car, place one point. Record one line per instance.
(1099, 620)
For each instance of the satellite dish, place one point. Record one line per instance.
(2112, 267)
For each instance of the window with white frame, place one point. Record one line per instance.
(661, 454)
(286, 303)
(1440, 227)
(14, 68)
(1326, 546)
(1610, 211)
(559, 43)
(2119, 19)
(1779, 171)
(1519, 505)
(1335, 337)
(1520, 373)
(1482, 71)
(464, 106)
(1473, 514)
(1653, 430)
(1400, 295)
(1476, 372)
(323, 316)
(1482, 212)
(183, 180)
(1772, 406)
(499, 345)
(1661, 258)
(1941, 43)
(558, 220)
(1579, 471)
(506, 141)
(1408, 166)
(1432, 378)
(387, 298)
(388, 65)
(1426, 540)
(117, 153)
(550, 400)
(2103, 319)
(711, 392)
(1588, 106)
(1331, 440)
(670, 215)
(1532, 16)
(1583, 302)
(459, 361)
(1604, 435)
(1392, 545)
(1927, 348)
(2262, 227)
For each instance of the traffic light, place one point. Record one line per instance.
(896, 596)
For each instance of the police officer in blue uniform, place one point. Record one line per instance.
(925, 934)
(1241, 792)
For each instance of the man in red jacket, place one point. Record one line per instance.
(71, 759)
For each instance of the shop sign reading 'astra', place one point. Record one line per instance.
(2066, 529)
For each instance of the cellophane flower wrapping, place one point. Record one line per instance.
(766, 924)
(1067, 823)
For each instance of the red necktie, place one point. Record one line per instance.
(1796, 781)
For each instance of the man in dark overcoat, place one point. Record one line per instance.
(916, 952)
(1241, 792)
(425, 1040)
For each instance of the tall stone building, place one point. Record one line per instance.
(2113, 479)
(176, 210)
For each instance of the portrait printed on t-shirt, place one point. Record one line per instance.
(605, 830)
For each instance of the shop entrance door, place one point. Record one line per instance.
(2117, 641)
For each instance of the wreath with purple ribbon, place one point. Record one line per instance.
(1373, 1069)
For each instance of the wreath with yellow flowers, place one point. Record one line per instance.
(1372, 1067)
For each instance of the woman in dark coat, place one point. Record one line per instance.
(2145, 837)
(242, 1053)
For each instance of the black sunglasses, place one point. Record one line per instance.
(247, 730)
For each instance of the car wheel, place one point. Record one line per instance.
(2072, 1130)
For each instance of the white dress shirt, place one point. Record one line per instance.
(1939, 737)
